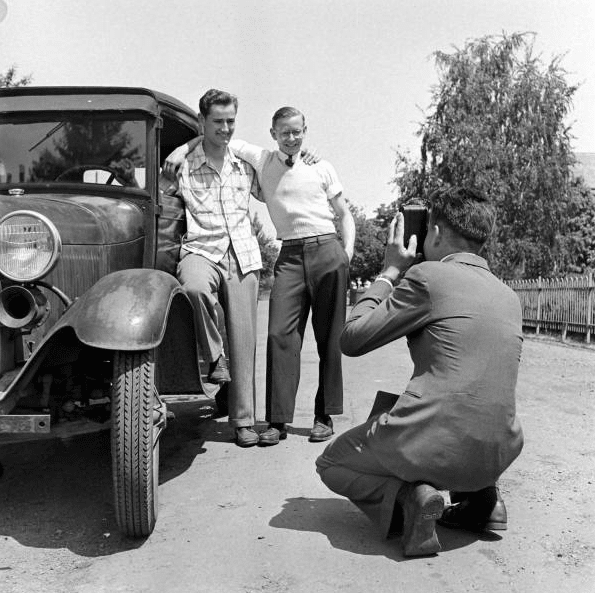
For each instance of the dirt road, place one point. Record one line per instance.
(260, 520)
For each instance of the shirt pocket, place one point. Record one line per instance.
(240, 190)
(413, 394)
(200, 201)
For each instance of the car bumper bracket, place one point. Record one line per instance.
(24, 423)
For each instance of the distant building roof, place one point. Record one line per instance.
(585, 167)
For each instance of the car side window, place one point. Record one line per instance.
(174, 133)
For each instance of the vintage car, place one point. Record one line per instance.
(90, 309)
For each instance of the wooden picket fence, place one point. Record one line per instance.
(558, 305)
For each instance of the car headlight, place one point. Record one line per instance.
(29, 246)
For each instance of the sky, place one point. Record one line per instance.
(360, 70)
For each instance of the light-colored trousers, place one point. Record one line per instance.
(349, 468)
(208, 285)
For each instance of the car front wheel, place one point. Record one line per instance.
(138, 418)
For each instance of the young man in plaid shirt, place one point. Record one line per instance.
(220, 256)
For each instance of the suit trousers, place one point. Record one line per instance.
(312, 276)
(209, 285)
(348, 467)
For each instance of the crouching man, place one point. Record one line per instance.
(455, 426)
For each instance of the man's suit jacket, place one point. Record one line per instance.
(455, 426)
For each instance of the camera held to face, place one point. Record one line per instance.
(415, 218)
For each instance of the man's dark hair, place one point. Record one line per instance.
(466, 211)
(284, 112)
(216, 97)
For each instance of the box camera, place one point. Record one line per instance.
(415, 217)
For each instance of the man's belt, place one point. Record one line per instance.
(306, 240)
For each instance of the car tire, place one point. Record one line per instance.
(138, 417)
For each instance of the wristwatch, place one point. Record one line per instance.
(385, 278)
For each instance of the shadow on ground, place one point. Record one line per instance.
(57, 493)
(346, 528)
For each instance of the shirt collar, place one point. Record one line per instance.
(199, 158)
(283, 157)
(463, 257)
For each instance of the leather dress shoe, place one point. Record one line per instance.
(219, 371)
(246, 436)
(476, 511)
(422, 505)
(322, 429)
(273, 434)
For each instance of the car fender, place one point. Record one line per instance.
(125, 310)
(134, 309)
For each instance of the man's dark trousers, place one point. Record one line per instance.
(309, 273)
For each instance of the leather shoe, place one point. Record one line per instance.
(219, 371)
(273, 434)
(476, 511)
(246, 436)
(322, 429)
(422, 505)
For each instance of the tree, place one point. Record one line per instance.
(369, 244)
(497, 123)
(579, 239)
(412, 181)
(94, 141)
(9, 78)
(269, 251)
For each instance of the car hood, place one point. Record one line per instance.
(81, 219)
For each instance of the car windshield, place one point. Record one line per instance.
(87, 148)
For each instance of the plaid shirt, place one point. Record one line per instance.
(217, 208)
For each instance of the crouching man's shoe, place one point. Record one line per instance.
(277, 431)
(219, 371)
(476, 511)
(422, 505)
(322, 429)
(246, 436)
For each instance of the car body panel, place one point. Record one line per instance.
(83, 219)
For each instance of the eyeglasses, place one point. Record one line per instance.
(289, 133)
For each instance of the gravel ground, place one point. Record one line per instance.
(260, 520)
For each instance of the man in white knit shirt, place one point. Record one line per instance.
(311, 272)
